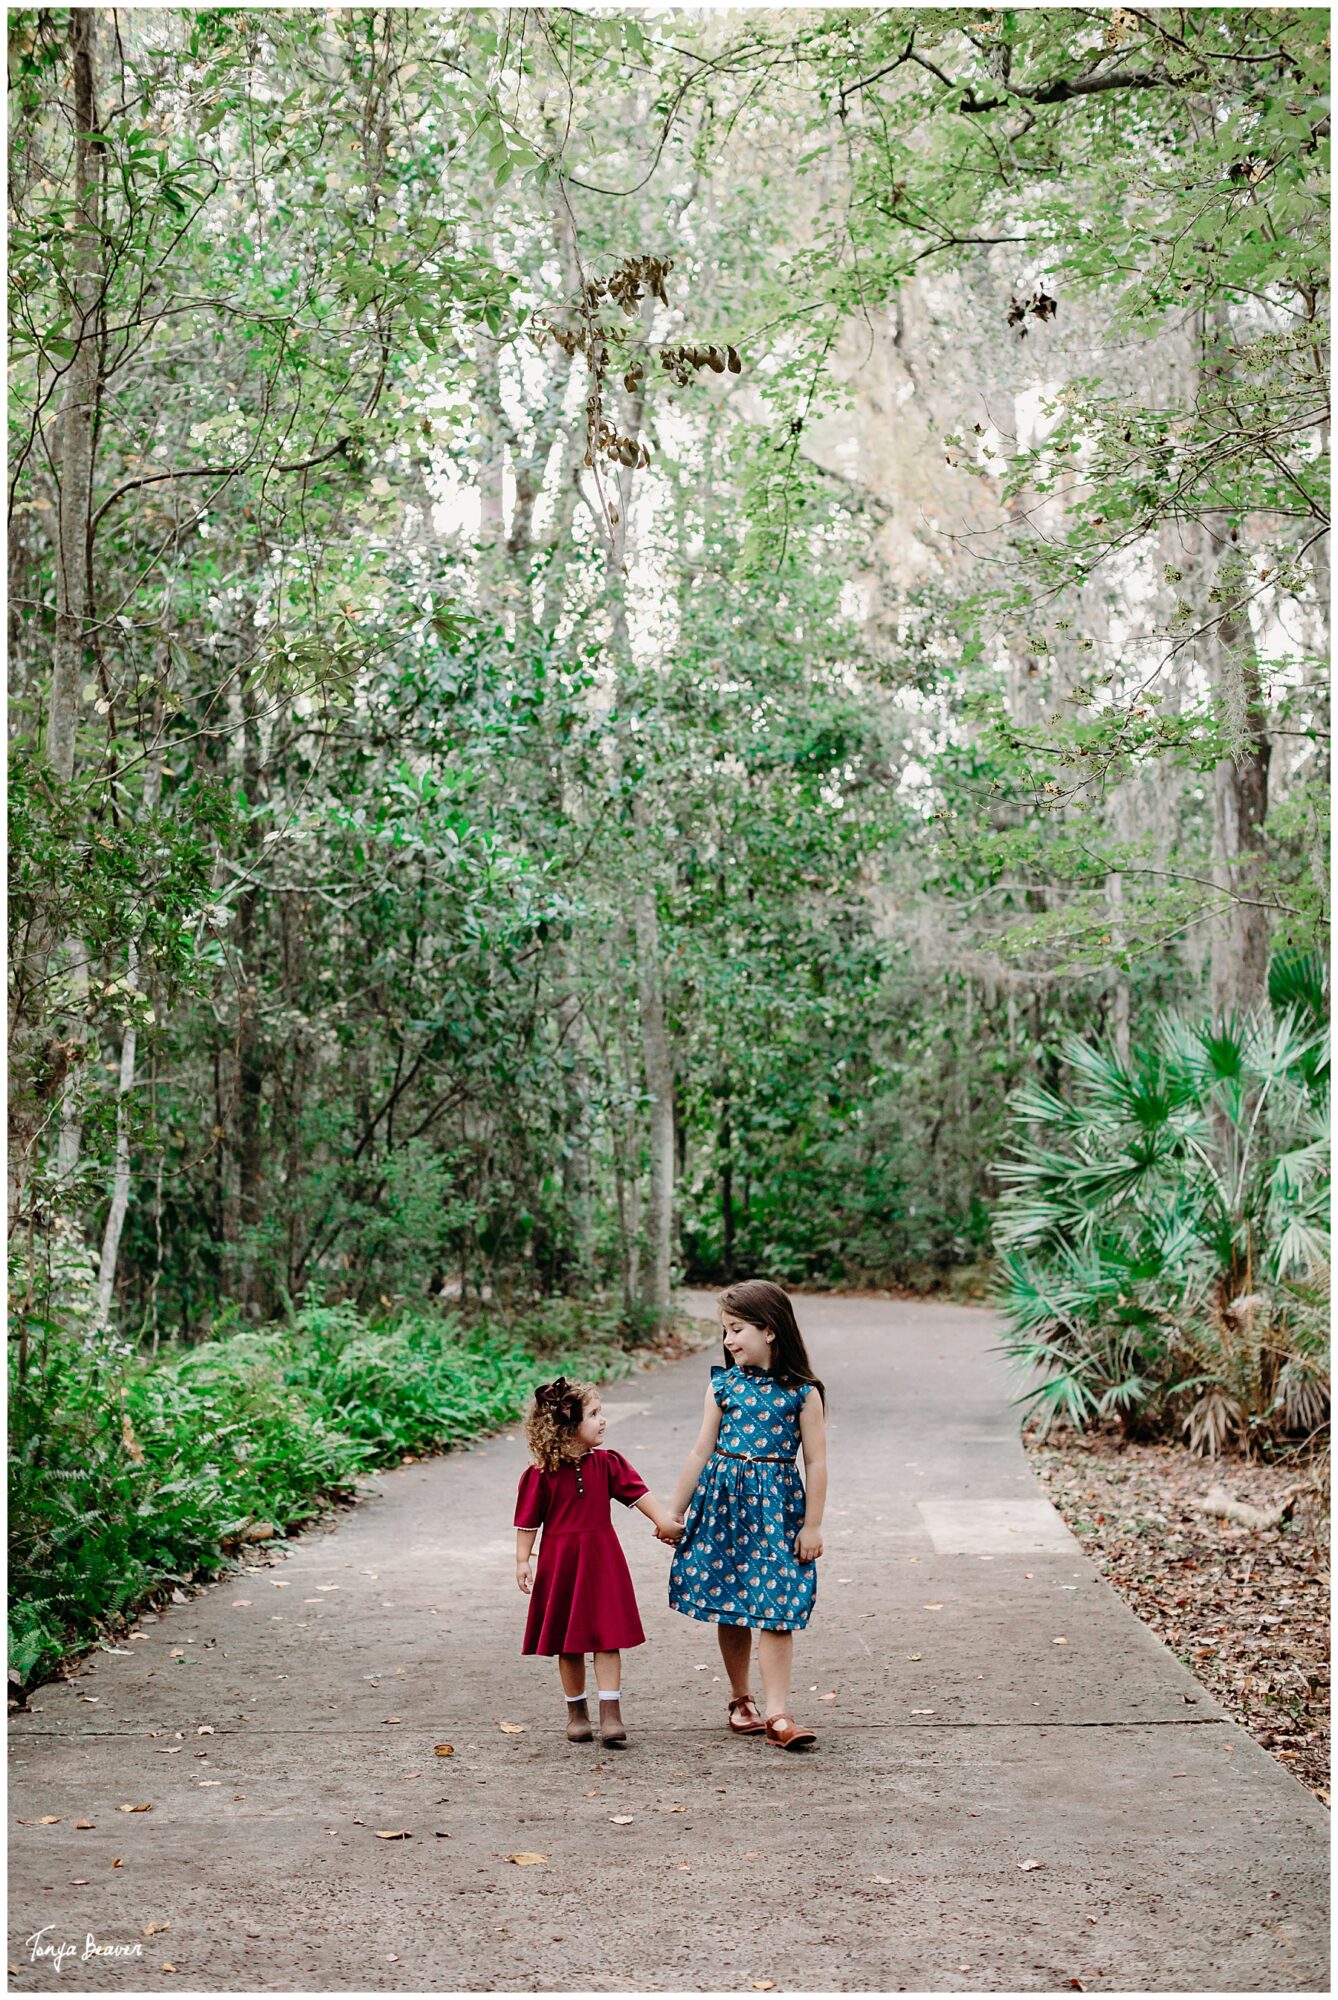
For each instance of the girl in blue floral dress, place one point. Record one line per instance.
(746, 1561)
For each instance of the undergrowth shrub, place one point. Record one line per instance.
(1164, 1230)
(128, 1475)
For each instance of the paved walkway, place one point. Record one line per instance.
(995, 1705)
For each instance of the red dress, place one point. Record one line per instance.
(582, 1600)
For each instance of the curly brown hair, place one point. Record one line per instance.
(553, 1419)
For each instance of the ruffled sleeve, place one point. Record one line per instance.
(718, 1374)
(531, 1498)
(625, 1482)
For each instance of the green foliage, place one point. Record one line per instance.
(127, 1475)
(1163, 1230)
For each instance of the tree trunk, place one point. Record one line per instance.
(1238, 975)
(657, 1054)
(79, 410)
(659, 1065)
(78, 423)
(1239, 970)
(120, 1199)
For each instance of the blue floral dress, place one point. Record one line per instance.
(736, 1564)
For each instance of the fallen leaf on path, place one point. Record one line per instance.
(589, 1795)
(886, 1880)
(924, 1711)
(91, 1699)
(205, 1729)
(393, 1719)
(1027, 1866)
(513, 1728)
(394, 1833)
(915, 1656)
(167, 1965)
(134, 1808)
(620, 1819)
(443, 1749)
(1059, 1642)
(205, 1783)
(241, 1603)
(828, 1697)
(152, 1930)
(118, 1863)
(933, 1607)
(441, 1835)
(83, 1826)
(79, 1882)
(527, 1860)
(763, 1985)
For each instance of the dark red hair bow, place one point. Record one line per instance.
(561, 1399)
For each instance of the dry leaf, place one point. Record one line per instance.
(1059, 1642)
(168, 1966)
(886, 1880)
(527, 1860)
(620, 1819)
(1028, 1865)
(152, 1930)
(513, 1728)
(763, 1985)
(118, 1863)
(240, 1603)
(394, 1833)
(924, 1711)
(828, 1697)
(53, 1819)
(441, 1835)
(83, 1826)
(915, 1656)
(394, 1718)
(134, 1808)
(443, 1749)
(933, 1607)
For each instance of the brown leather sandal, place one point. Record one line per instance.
(787, 1734)
(749, 1725)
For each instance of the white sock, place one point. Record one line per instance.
(609, 1697)
(575, 1697)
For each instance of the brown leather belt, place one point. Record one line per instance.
(754, 1458)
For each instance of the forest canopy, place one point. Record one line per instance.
(620, 624)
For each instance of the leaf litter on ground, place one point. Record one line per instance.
(1245, 1609)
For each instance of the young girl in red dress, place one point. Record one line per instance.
(581, 1597)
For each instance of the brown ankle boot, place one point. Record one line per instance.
(578, 1723)
(611, 1731)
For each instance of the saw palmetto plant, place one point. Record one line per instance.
(1164, 1227)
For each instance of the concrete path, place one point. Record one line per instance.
(995, 1705)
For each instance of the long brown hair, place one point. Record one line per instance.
(763, 1304)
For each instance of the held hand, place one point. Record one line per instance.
(525, 1575)
(808, 1544)
(670, 1532)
